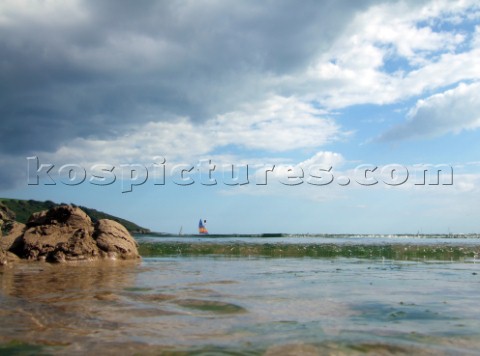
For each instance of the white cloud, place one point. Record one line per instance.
(355, 69)
(324, 158)
(451, 111)
(396, 26)
(467, 184)
(277, 125)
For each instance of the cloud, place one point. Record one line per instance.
(277, 125)
(277, 183)
(94, 69)
(13, 172)
(394, 51)
(114, 77)
(449, 112)
(323, 158)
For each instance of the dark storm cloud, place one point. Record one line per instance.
(122, 63)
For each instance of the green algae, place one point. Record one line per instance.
(211, 306)
(284, 250)
(19, 348)
(137, 289)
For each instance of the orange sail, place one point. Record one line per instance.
(202, 230)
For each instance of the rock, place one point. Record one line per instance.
(7, 220)
(63, 233)
(10, 233)
(6, 213)
(7, 257)
(66, 233)
(114, 240)
(12, 241)
(62, 215)
(3, 257)
(11, 257)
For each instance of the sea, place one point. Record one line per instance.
(268, 294)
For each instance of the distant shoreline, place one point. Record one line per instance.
(277, 235)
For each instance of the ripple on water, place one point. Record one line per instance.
(137, 289)
(212, 306)
(195, 305)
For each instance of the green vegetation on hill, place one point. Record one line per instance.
(24, 208)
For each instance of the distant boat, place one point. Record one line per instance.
(202, 230)
(180, 233)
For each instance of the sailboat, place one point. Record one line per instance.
(202, 230)
(180, 233)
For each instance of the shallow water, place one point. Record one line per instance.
(244, 304)
(396, 247)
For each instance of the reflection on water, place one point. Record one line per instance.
(242, 305)
(57, 304)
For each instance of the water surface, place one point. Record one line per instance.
(258, 302)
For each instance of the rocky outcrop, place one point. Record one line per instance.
(12, 240)
(114, 240)
(10, 234)
(6, 213)
(3, 257)
(63, 233)
(66, 233)
(7, 257)
(7, 219)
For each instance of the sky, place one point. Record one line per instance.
(272, 116)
